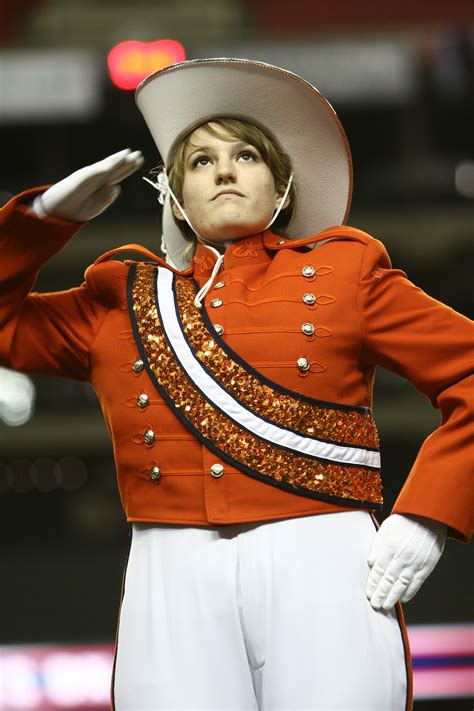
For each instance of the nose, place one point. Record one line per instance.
(225, 171)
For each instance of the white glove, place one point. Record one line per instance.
(90, 190)
(404, 552)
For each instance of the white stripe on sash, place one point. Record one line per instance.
(231, 407)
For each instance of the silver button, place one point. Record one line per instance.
(307, 328)
(217, 470)
(302, 364)
(308, 271)
(155, 473)
(138, 365)
(149, 437)
(282, 241)
(218, 328)
(309, 298)
(216, 302)
(143, 400)
(219, 284)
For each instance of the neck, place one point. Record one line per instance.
(224, 244)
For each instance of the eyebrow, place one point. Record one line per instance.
(208, 148)
(196, 150)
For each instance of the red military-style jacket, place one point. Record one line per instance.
(361, 313)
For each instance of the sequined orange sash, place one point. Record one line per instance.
(322, 450)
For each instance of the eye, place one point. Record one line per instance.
(247, 156)
(201, 160)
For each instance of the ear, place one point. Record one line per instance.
(176, 212)
(279, 197)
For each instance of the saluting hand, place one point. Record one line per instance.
(404, 552)
(90, 190)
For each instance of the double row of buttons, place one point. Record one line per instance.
(308, 271)
(149, 436)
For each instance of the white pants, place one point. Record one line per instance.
(267, 616)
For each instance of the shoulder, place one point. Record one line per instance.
(342, 243)
(334, 235)
(106, 279)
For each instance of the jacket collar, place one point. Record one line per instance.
(254, 249)
(248, 249)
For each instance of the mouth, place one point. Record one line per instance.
(228, 192)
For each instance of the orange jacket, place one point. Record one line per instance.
(364, 314)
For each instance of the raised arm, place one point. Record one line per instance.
(52, 333)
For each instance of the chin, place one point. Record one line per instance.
(232, 232)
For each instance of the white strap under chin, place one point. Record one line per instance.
(199, 298)
(163, 187)
(282, 202)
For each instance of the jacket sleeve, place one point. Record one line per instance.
(41, 333)
(421, 339)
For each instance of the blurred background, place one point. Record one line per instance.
(401, 78)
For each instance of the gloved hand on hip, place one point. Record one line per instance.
(88, 191)
(404, 552)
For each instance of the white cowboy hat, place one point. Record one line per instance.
(177, 99)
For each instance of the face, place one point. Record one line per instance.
(228, 190)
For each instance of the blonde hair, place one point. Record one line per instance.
(272, 154)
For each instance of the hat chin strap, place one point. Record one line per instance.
(281, 203)
(205, 288)
(220, 256)
(163, 186)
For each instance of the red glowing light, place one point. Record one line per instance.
(130, 62)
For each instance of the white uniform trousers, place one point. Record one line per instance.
(267, 616)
